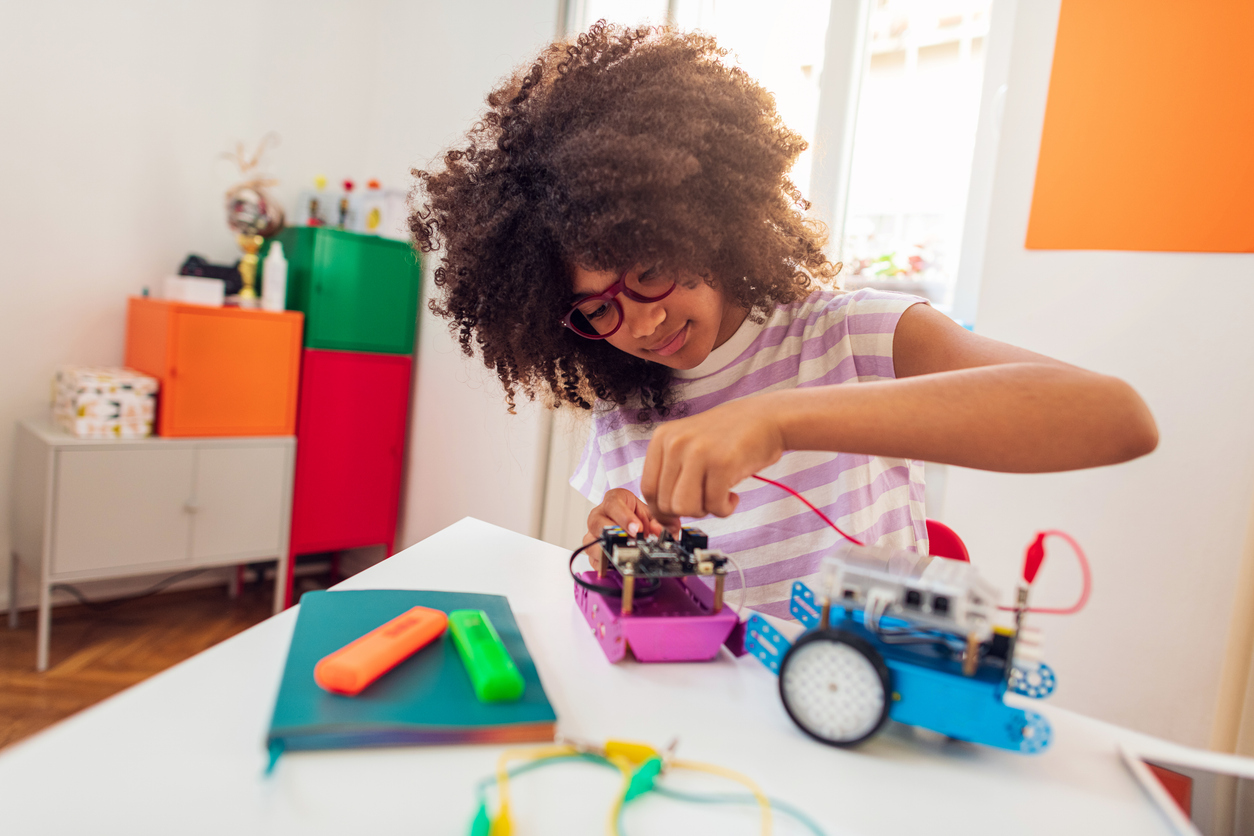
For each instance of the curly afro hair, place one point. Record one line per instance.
(622, 147)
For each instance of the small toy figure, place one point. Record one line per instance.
(345, 205)
(315, 203)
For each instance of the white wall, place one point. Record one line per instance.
(113, 116)
(1164, 533)
(437, 62)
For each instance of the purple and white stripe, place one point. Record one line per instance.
(829, 338)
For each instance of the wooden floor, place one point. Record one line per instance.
(97, 653)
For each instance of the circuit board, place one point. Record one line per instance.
(662, 556)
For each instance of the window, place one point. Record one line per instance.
(580, 14)
(912, 112)
(918, 109)
(781, 45)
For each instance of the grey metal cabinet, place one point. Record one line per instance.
(86, 509)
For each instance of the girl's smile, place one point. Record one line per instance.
(673, 344)
(678, 331)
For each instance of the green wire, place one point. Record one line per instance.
(743, 798)
(481, 824)
(727, 798)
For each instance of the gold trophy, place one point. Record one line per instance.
(253, 214)
(250, 245)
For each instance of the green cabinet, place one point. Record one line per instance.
(358, 292)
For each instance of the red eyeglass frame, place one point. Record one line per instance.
(610, 294)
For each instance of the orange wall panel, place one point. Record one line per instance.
(223, 371)
(1148, 129)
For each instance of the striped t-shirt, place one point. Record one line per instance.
(828, 338)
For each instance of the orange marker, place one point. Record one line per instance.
(355, 665)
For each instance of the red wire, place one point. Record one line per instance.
(1085, 572)
(1079, 553)
(853, 540)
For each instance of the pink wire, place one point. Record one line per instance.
(853, 540)
(1085, 571)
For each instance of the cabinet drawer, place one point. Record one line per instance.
(240, 499)
(117, 508)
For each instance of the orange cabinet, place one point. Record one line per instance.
(223, 371)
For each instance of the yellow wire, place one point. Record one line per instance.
(624, 766)
(502, 775)
(544, 753)
(763, 802)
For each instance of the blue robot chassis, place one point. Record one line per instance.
(841, 682)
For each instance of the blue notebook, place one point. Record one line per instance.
(426, 699)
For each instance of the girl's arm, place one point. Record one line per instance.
(958, 399)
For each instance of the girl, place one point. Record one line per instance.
(620, 235)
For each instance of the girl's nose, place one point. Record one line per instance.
(643, 318)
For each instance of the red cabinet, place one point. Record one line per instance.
(350, 432)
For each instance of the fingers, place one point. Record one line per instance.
(622, 508)
(652, 473)
(649, 521)
(693, 463)
(617, 508)
(717, 496)
(669, 522)
(672, 490)
(688, 478)
(593, 552)
(663, 464)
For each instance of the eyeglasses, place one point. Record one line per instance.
(600, 315)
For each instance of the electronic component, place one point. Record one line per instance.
(932, 592)
(654, 595)
(355, 665)
(661, 556)
(492, 672)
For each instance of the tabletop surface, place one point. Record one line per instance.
(183, 752)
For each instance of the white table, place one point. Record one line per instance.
(183, 752)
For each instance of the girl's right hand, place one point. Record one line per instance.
(623, 508)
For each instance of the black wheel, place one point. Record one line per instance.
(835, 687)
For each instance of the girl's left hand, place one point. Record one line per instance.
(693, 463)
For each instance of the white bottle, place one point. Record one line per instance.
(274, 279)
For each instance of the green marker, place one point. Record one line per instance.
(492, 671)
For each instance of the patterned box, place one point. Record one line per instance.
(94, 402)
